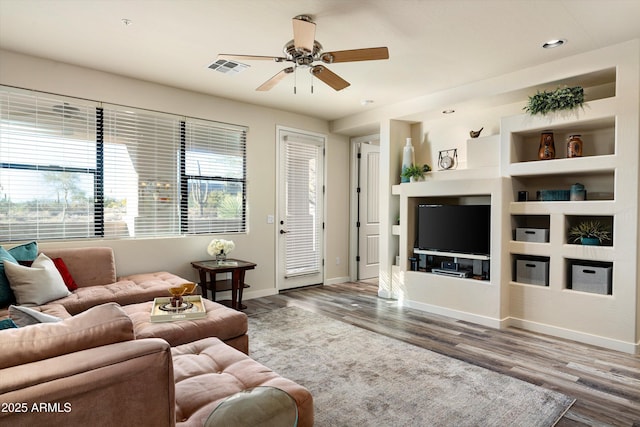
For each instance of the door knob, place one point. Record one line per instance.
(283, 232)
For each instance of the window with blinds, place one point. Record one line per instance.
(215, 177)
(72, 169)
(141, 182)
(48, 167)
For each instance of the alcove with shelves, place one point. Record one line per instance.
(586, 287)
(424, 289)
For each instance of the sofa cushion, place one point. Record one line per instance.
(220, 322)
(101, 325)
(37, 284)
(25, 252)
(25, 316)
(128, 290)
(90, 266)
(222, 371)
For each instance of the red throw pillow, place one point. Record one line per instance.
(64, 272)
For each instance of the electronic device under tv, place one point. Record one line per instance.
(460, 229)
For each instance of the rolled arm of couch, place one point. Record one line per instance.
(126, 383)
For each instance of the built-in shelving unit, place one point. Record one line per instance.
(609, 125)
(608, 157)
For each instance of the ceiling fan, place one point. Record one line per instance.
(303, 51)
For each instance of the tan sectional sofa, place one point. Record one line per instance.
(105, 363)
(94, 271)
(89, 370)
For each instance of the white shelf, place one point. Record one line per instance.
(587, 207)
(580, 165)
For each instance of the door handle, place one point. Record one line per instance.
(283, 232)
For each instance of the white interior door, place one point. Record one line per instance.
(369, 211)
(300, 230)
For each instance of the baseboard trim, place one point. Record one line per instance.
(456, 314)
(337, 280)
(583, 337)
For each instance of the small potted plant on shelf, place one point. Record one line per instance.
(589, 233)
(546, 102)
(415, 172)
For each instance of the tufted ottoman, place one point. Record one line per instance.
(206, 372)
(221, 322)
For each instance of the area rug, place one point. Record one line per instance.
(360, 378)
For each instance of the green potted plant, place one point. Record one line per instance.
(415, 172)
(589, 233)
(546, 102)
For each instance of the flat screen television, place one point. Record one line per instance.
(464, 229)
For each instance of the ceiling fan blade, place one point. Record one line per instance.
(231, 57)
(329, 77)
(275, 79)
(368, 54)
(304, 33)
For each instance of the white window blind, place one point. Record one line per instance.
(303, 159)
(73, 168)
(48, 171)
(215, 177)
(141, 156)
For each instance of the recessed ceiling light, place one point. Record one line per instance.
(449, 111)
(366, 101)
(126, 22)
(553, 43)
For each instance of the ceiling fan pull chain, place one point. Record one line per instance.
(295, 79)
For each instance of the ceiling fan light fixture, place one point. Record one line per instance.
(550, 44)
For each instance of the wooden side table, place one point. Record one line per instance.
(236, 267)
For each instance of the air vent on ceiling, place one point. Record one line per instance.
(230, 67)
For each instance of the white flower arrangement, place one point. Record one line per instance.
(220, 247)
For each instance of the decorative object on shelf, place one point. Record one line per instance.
(523, 196)
(578, 192)
(590, 233)
(547, 149)
(448, 159)
(475, 133)
(220, 248)
(574, 146)
(552, 195)
(546, 102)
(415, 172)
(408, 159)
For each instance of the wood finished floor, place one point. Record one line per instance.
(605, 383)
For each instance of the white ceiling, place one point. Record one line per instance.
(433, 44)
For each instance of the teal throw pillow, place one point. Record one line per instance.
(25, 252)
(7, 324)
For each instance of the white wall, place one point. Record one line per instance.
(175, 254)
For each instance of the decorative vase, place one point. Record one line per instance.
(547, 149)
(590, 241)
(221, 256)
(408, 158)
(577, 192)
(574, 146)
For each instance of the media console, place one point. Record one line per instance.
(452, 264)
